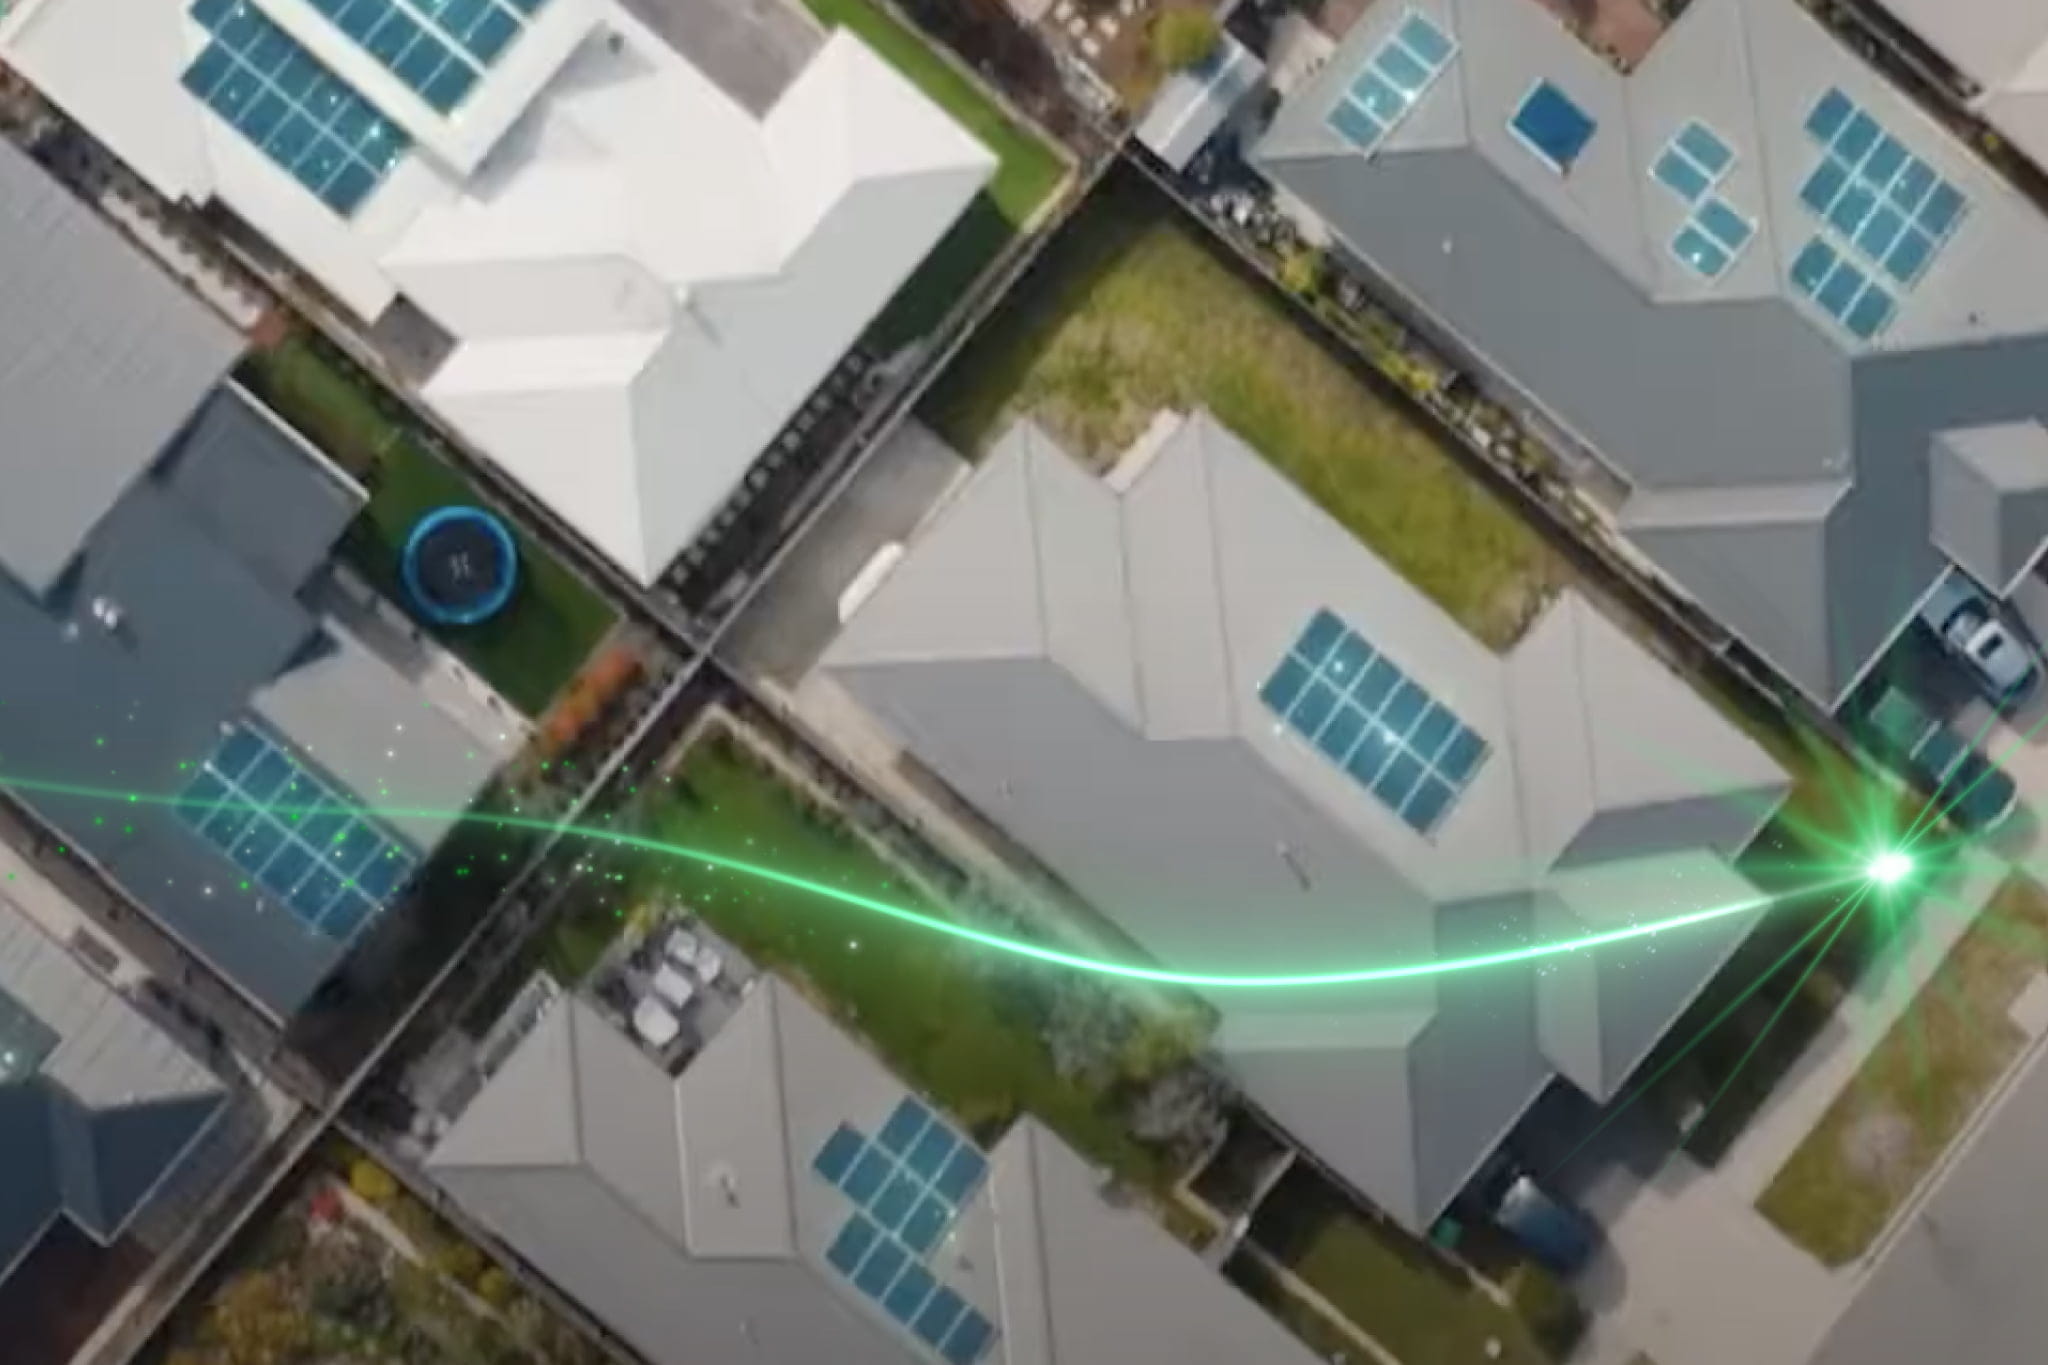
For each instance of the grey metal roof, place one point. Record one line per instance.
(1191, 105)
(1961, 1282)
(210, 614)
(683, 1213)
(350, 711)
(1989, 499)
(1082, 662)
(101, 356)
(111, 1111)
(1777, 468)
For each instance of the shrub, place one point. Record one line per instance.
(1184, 36)
(460, 1261)
(495, 1287)
(1554, 1314)
(372, 1182)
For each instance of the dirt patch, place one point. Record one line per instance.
(1879, 1146)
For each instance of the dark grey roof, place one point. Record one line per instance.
(1778, 470)
(109, 1113)
(101, 354)
(205, 556)
(1082, 661)
(683, 1213)
(1989, 499)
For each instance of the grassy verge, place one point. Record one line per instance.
(554, 620)
(1131, 311)
(1918, 1087)
(1027, 171)
(947, 1019)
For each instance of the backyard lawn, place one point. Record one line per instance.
(1027, 171)
(1387, 1284)
(1917, 1088)
(1130, 311)
(936, 1012)
(554, 621)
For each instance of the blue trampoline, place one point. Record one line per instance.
(460, 566)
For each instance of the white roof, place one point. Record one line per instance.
(644, 280)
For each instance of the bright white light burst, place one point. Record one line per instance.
(1890, 867)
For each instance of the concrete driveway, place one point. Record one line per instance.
(795, 615)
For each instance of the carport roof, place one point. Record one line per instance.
(1777, 466)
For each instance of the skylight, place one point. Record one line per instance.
(1692, 166)
(1394, 77)
(1552, 127)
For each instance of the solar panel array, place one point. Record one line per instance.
(1379, 726)
(293, 835)
(424, 60)
(272, 91)
(1884, 215)
(1552, 126)
(1692, 166)
(907, 1185)
(1400, 69)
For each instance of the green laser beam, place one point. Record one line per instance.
(1019, 947)
(1844, 917)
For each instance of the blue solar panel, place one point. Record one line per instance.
(879, 1270)
(903, 1126)
(971, 1336)
(929, 1156)
(1372, 722)
(1878, 201)
(1552, 126)
(913, 1287)
(1426, 41)
(1812, 265)
(925, 1226)
(1829, 113)
(348, 913)
(269, 89)
(441, 59)
(906, 1184)
(1390, 81)
(1357, 127)
(852, 1245)
(866, 1175)
(1724, 224)
(1705, 147)
(1679, 175)
(895, 1202)
(837, 1155)
(1402, 69)
(263, 819)
(1869, 314)
(961, 1175)
(939, 1315)
(1840, 289)
(1697, 250)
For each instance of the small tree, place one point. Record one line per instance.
(371, 1182)
(460, 1261)
(495, 1288)
(1184, 36)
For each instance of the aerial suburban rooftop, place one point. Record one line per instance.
(1785, 288)
(1064, 682)
(1213, 698)
(614, 347)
